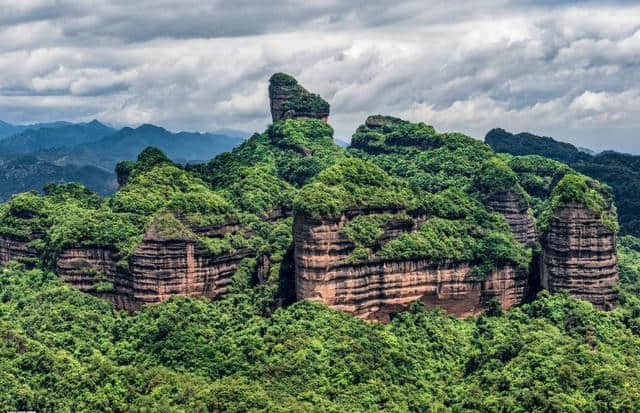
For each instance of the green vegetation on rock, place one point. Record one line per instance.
(261, 174)
(399, 166)
(618, 170)
(352, 183)
(298, 102)
(252, 350)
(579, 189)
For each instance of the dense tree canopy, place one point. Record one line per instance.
(255, 350)
(64, 350)
(619, 170)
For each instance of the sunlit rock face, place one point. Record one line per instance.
(579, 256)
(289, 100)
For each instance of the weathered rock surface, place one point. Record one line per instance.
(12, 250)
(157, 269)
(515, 210)
(579, 256)
(289, 100)
(376, 288)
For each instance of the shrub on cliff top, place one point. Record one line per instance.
(388, 134)
(23, 215)
(299, 100)
(496, 177)
(452, 203)
(293, 150)
(428, 160)
(483, 239)
(282, 79)
(352, 183)
(301, 134)
(574, 188)
(258, 191)
(150, 157)
(168, 227)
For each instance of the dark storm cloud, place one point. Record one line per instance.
(569, 68)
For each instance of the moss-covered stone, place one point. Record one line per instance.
(289, 100)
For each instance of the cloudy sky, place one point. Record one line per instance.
(569, 69)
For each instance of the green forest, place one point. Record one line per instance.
(63, 350)
(255, 349)
(620, 171)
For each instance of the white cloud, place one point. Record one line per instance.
(569, 69)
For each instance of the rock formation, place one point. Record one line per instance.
(579, 256)
(289, 100)
(361, 257)
(375, 288)
(14, 250)
(515, 210)
(158, 268)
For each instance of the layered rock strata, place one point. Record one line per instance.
(14, 250)
(579, 256)
(515, 210)
(376, 288)
(157, 269)
(289, 100)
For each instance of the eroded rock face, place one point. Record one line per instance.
(579, 256)
(376, 288)
(289, 100)
(515, 210)
(157, 269)
(12, 250)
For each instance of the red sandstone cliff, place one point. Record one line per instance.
(158, 268)
(515, 210)
(375, 288)
(579, 256)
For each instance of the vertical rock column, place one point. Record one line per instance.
(579, 256)
(515, 210)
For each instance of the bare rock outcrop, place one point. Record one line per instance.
(289, 100)
(515, 210)
(158, 268)
(14, 250)
(579, 256)
(375, 288)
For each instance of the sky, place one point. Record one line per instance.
(568, 69)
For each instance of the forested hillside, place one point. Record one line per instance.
(64, 350)
(620, 171)
(240, 284)
(33, 155)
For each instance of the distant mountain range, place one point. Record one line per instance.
(28, 173)
(620, 170)
(7, 129)
(33, 155)
(127, 143)
(64, 136)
